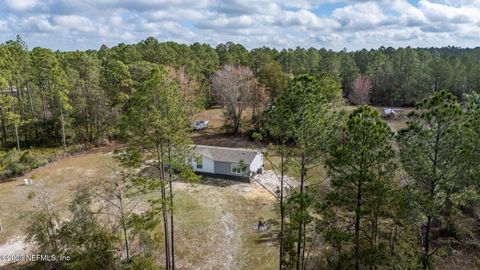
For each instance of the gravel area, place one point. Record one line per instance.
(271, 181)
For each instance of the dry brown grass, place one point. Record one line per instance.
(58, 180)
(394, 123)
(215, 135)
(213, 115)
(460, 260)
(217, 220)
(213, 222)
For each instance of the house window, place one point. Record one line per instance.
(238, 168)
(199, 162)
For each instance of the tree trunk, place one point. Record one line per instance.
(30, 99)
(4, 129)
(171, 222)
(19, 99)
(124, 223)
(304, 230)
(64, 142)
(374, 231)
(393, 241)
(300, 225)
(165, 227)
(357, 226)
(282, 209)
(10, 86)
(44, 105)
(236, 125)
(161, 163)
(125, 235)
(172, 233)
(426, 244)
(17, 137)
(31, 109)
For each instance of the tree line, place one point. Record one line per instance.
(57, 98)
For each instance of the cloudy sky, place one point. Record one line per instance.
(334, 24)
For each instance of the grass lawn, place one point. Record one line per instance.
(215, 227)
(315, 175)
(56, 180)
(213, 223)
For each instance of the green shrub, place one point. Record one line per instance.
(14, 162)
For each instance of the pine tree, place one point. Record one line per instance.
(361, 167)
(306, 109)
(157, 123)
(431, 153)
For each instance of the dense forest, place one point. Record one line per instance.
(62, 97)
(392, 200)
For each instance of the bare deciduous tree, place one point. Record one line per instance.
(187, 86)
(361, 90)
(234, 87)
(120, 199)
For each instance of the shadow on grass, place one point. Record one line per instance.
(218, 182)
(270, 236)
(223, 140)
(6, 180)
(214, 182)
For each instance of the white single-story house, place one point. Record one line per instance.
(224, 162)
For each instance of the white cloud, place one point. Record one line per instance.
(72, 24)
(225, 22)
(306, 19)
(442, 13)
(22, 5)
(361, 16)
(176, 15)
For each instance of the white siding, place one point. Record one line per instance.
(257, 163)
(207, 165)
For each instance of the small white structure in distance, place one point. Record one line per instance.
(199, 125)
(392, 113)
(27, 182)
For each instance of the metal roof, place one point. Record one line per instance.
(225, 154)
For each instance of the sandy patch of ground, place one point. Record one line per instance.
(15, 247)
(270, 181)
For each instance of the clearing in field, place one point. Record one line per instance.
(214, 220)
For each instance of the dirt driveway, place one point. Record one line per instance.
(214, 219)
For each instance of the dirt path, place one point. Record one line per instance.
(227, 246)
(226, 221)
(213, 220)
